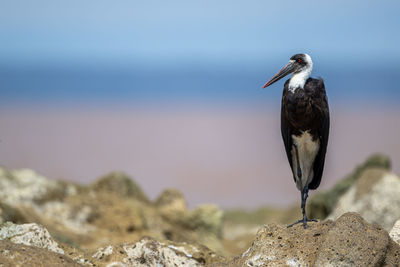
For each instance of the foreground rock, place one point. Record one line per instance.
(375, 196)
(349, 241)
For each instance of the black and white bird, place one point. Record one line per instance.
(304, 125)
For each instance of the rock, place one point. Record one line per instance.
(29, 234)
(207, 217)
(74, 218)
(149, 252)
(321, 204)
(349, 241)
(18, 255)
(375, 196)
(120, 184)
(202, 225)
(171, 201)
(26, 187)
(395, 232)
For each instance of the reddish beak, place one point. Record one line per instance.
(282, 73)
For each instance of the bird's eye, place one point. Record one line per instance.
(299, 60)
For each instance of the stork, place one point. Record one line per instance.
(304, 125)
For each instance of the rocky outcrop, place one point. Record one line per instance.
(375, 196)
(321, 204)
(349, 241)
(113, 223)
(110, 211)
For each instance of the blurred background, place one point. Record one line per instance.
(170, 91)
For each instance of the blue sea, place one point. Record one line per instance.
(131, 84)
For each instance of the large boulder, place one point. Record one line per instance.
(349, 241)
(375, 196)
(321, 204)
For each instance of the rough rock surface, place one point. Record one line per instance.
(375, 196)
(349, 241)
(29, 234)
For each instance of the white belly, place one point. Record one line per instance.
(307, 149)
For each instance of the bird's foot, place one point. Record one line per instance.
(304, 221)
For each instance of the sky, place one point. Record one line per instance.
(69, 69)
(202, 30)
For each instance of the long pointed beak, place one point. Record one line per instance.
(289, 68)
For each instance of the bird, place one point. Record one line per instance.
(304, 125)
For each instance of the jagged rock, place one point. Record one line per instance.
(18, 255)
(149, 252)
(120, 184)
(29, 234)
(349, 241)
(395, 232)
(375, 196)
(321, 204)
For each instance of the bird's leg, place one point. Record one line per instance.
(304, 196)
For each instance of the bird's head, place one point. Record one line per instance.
(299, 63)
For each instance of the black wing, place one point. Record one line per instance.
(323, 134)
(287, 140)
(286, 129)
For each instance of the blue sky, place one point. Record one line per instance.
(220, 37)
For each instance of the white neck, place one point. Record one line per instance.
(299, 79)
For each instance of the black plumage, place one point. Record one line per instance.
(306, 110)
(304, 125)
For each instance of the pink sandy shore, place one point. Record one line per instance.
(231, 157)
